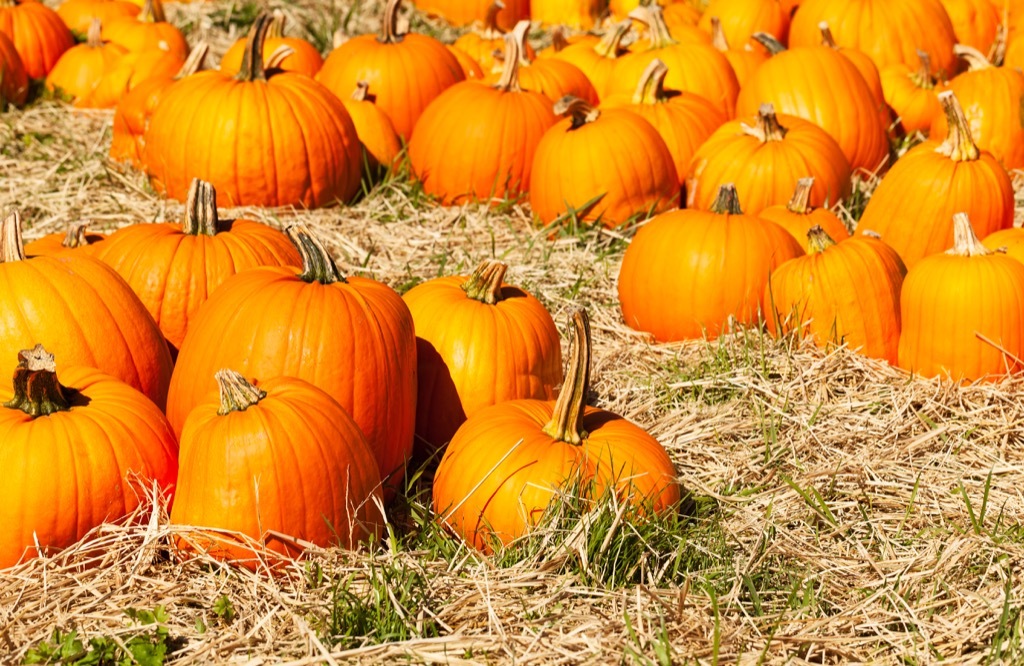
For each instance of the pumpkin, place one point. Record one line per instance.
(77, 239)
(597, 61)
(487, 43)
(464, 12)
(81, 67)
(503, 123)
(551, 77)
(888, 31)
(352, 337)
(38, 34)
(13, 77)
(683, 120)
(406, 71)
(992, 98)
(470, 68)
(744, 61)
(621, 8)
(280, 462)
(81, 310)
(265, 138)
(678, 14)
(819, 84)
(561, 39)
(687, 274)
(78, 15)
(865, 65)
(578, 14)
(1008, 241)
(80, 450)
(149, 30)
(374, 128)
(571, 174)
(740, 19)
(913, 206)
(133, 110)
(303, 59)
(846, 293)
(913, 94)
(174, 268)
(508, 462)
(132, 69)
(961, 312)
(798, 217)
(975, 22)
(479, 341)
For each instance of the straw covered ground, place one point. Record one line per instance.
(840, 510)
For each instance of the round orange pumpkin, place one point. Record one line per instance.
(149, 30)
(1008, 241)
(38, 34)
(798, 216)
(303, 59)
(913, 94)
(551, 77)
(77, 239)
(374, 128)
(485, 45)
(81, 67)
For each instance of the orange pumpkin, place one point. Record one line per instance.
(280, 462)
(374, 128)
(975, 22)
(551, 77)
(78, 15)
(405, 71)
(1008, 241)
(486, 45)
(597, 61)
(149, 30)
(13, 77)
(740, 19)
(132, 69)
(744, 61)
(76, 240)
(464, 12)
(846, 293)
(798, 216)
(507, 463)
(913, 94)
(688, 274)
(578, 14)
(79, 453)
(470, 68)
(38, 34)
(81, 67)
(913, 207)
(865, 65)
(303, 59)
(479, 341)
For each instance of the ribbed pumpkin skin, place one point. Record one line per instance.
(502, 506)
(975, 22)
(306, 59)
(14, 84)
(742, 18)
(354, 340)
(464, 12)
(947, 302)
(131, 117)
(554, 79)
(687, 271)
(295, 463)
(1011, 240)
(80, 69)
(471, 354)
(591, 59)
(849, 293)
(798, 224)
(498, 132)
(69, 472)
(889, 31)
(286, 141)
(38, 33)
(470, 67)
(697, 68)
(79, 14)
(916, 105)
(744, 63)
(765, 172)
(135, 35)
(819, 84)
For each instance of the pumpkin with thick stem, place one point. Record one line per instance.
(961, 312)
(303, 58)
(764, 157)
(352, 337)
(280, 462)
(508, 462)
(81, 310)
(149, 30)
(975, 22)
(465, 12)
(13, 77)
(744, 61)
(78, 15)
(501, 123)
(81, 67)
(740, 19)
(38, 33)
(76, 240)
(597, 61)
(551, 77)
(578, 14)
(992, 98)
(486, 44)
(571, 168)
(689, 274)
(913, 206)
(264, 138)
(406, 71)
(846, 293)
(374, 128)
(913, 94)
(80, 448)
(175, 267)
(798, 216)
(865, 65)
(479, 341)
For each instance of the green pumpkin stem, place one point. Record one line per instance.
(651, 89)
(236, 393)
(491, 28)
(94, 37)
(509, 81)
(76, 236)
(12, 248)
(818, 239)
(484, 284)
(959, 144)
(974, 58)
(718, 39)
(767, 127)
(965, 241)
(800, 202)
(727, 201)
(581, 111)
(659, 36)
(827, 39)
(773, 45)
(36, 389)
(194, 62)
(200, 209)
(610, 45)
(389, 24)
(317, 263)
(566, 424)
(252, 68)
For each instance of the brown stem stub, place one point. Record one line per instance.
(94, 37)
(773, 45)
(12, 248)
(237, 394)
(975, 59)
(317, 263)
(818, 239)
(826, 36)
(651, 88)
(389, 33)
(659, 36)
(484, 284)
(965, 241)
(252, 68)
(610, 45)
(923, 77)
(36, 389)
(194, 62)
(959, 144)
(200, 209)
(152, 12)
(566, 424)
(718, 39)
(800, 202)
(767, 127)
(362, 91)
(76, 236)
(727, 201)
(579, 110)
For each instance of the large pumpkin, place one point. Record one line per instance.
(479, 341)
(507, 463)
(975, 22)
(82, 311)
(78, 450)
(38, 33)
(352, 337)
(266, 138)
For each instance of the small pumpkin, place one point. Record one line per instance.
(551, 77)
(78, 15)
(1008, 241)
(487, 43)
(149, 30)
(744, 61)
(597, 61)
(303, 58)
(77, 239)
(913, 94)
(81, 67)
(131, 70)
(798, 217)
(374, 128)
(38, 33)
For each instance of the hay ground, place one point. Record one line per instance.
(847, 512)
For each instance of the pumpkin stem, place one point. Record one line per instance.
(361, 92)
(317, 263)
(152, 12)
(509, 81)
(484, 284)
(581, 111)
(800, 203)
(566, 424)
(727, 201)
(276, 29)
(236, 393)
(491, 28)
(36, 389)
(194, 62)
(76, 235)
(200, 209)
(389, 24)
(252, 68)
(773, 45)
(276, 59)
(659, 35)
(718, 39)
(818, 239)
(558, 39)
(767, 127)
(997, 52)
(521, 32)
(651, 89)
(827, 39)
(975, 59)
(965, 241)
(94, 37)
(12, 248)
(923, 77)
(611, 44)
(959, 144)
